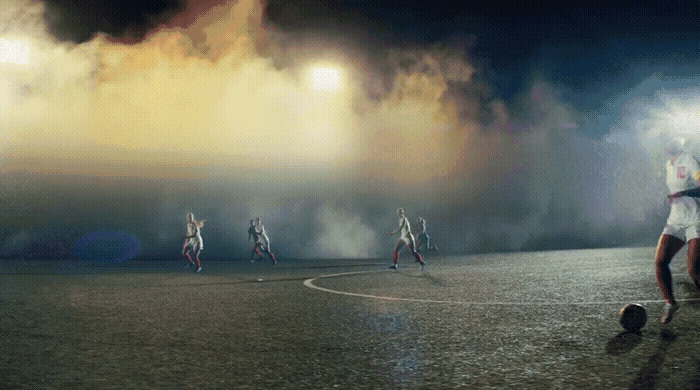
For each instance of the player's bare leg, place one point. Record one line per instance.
(694, 260)
(399, 245)
(419, 242)
(257, 251)
(185, 253)
(189, 259)
(199, 264)
(667, 247)
(419, 258)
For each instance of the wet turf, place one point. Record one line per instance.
(543, 320)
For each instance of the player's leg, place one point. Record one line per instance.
(433, 247)
(419, 242)
(272, 255)
(419, 258)
(256, 249)
(398, 247)
(694, 260)
(667, 247)
(199, 264)
(186, 252)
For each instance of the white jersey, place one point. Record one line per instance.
(682, 174)
(405, 230)
(252, 231)
(260, 237)
(421, 227)
(194, 237)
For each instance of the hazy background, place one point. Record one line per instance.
(527, 132)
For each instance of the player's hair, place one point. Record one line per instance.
(676, 145)
(399, 211)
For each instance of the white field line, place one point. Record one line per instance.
(310, 284)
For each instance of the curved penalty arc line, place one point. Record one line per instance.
(310, 284)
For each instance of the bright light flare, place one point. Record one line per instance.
(14, 51)
(325, 78)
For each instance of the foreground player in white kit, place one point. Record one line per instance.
(262, 242)
(406, 238)
(682, 225)
(193, 241)
(422, 238)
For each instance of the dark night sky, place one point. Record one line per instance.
(592, 50)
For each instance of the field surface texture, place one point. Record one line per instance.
(535, 320)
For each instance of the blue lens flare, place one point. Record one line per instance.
(107, 247)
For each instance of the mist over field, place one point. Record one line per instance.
(211, 111)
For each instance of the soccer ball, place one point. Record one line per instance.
(633, 317)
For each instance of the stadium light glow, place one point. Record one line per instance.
(326, 78)
(14, 51)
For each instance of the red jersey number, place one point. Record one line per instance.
(681, 172)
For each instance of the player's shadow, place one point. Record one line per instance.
(649, 373)
(425, 276)
(623, 343)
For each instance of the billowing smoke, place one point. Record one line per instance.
(211, 112)
(344, 235)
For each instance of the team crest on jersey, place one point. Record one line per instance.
(681, 172)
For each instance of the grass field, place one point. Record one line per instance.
(538, 320)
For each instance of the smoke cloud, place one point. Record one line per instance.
(211, 112)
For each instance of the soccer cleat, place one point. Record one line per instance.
(199, 269)
(422, 264)
(394, 266)
(669, 311)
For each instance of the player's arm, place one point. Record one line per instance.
(694, 192)
(403, 221)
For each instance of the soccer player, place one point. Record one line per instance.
(193, 241)
(406, 238)
(423, 238)
(682, 225)
(262, 242)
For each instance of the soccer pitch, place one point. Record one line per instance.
(545, 320)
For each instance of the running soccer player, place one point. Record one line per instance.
(423, 238)
(262, 242)
(193, 241)
(682, 225)
(406, 238)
